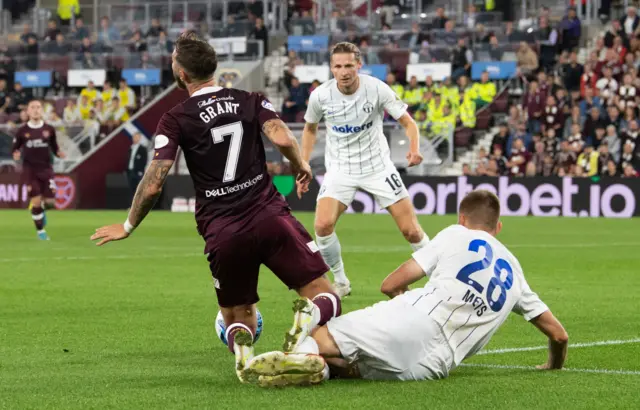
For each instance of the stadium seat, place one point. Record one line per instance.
(483, 119)
(462, 137)
(501, 102)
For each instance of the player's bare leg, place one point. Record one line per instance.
(316, 306)
(405, 216)
(328, 211)
(37, 214)
(241, 322)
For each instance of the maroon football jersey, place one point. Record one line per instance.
(37, 144)
(219, 131)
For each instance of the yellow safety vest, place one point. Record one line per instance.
(468, 113)
(107, 96)
(66, 8)
(412, 96)
(91, 94)
(398, 89)
(444, 126)
(85, 110)
(485, 92)
(436, 111)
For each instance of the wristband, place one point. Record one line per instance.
(128, 227)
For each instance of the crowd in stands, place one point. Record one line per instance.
(575, 119)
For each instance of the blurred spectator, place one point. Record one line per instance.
(256, 10)
(59, 47)
(515, 117)
(395, 86)
(415, 37)
(499, 158)
(84, 107)
(548, 38)
(89, 61)
(607, 85)
(5, 100)
(440, 20)
(368, 55)
(155, 29)
(137, 162)
(611, 169)
(627, 93)
(449, 36)
(631, 134)
(128, 34)
(604, 156)
(628, 156)
(550, 140)
(412, 95)
(90, 92)
(27, 33)
(501, 138)
(575, 118)
(68, 9)
(589, 102)
(295, 103)
(108, 35)
(79, 31)
(534, 104)
(259, 32)
(518, 159)
(570, 30)
(119, 112)
(520, 133)
(553, 115)
(614, 30)
(630, 22)
(613, 117)
(592, 122)
(7, 63)
(492, 169)
(630, 172)
(576, 139)
(101, 114)
(470, 18)
(108, 92)
(146, 61)
(530, 170)
(572, 73)
(71, 113)
(588, 161)
(126, 96)
(612, 141)
(20, 97)
(32, 49)
(485, 90)
(163, 46)
(565, 159)
(599, 137)
(495, 50)
(52, 31)
(461, 59)
(466, 170)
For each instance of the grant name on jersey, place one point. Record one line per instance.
(213, 110)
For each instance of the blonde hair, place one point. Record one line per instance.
(346, 48)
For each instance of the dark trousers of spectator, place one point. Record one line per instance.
(134, 179)
(457, 73)
(534, 126)
(569, 43)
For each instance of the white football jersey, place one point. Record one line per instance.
(355, 142)
(475, 281)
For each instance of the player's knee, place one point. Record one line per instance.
(324, 226)
(413, 234)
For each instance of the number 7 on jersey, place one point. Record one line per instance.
(234, 130)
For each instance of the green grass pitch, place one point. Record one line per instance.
(130, 325)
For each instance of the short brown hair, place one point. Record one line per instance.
(481, 208)
(196, 56)
(346, 48)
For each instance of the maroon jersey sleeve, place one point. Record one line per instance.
(53, 142)
(265, 110)
(18, 140)
(167, 138)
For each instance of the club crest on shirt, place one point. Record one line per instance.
(27, 135)
(368, 108)
(45, 134)
(266, 104)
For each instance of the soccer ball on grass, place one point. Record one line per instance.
(221, 328)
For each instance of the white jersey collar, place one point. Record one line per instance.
(35, 125)
(206, 90)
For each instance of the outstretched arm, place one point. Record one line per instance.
(145, 198)
(558, 340)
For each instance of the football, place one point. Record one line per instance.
(221, 328)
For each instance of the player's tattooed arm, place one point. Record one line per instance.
(149, 190)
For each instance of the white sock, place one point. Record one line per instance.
(419, 245)
(308, 345)
(331, 253)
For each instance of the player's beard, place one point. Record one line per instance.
(179, 81)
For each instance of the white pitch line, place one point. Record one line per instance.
(571, 346)
(566, 369)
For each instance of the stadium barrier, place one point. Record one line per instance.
(553, 196)
(14, 191)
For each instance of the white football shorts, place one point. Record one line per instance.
(392, 340)
(386, 186)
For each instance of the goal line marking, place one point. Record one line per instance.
(571, 346)
(566, 369)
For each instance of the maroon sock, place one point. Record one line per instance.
(231, 334)
(37, 214)
(329, 306)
